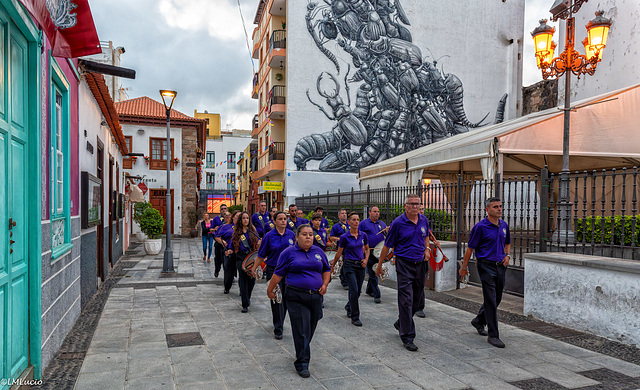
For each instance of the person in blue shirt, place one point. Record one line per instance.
(207, 236)
(218, 249)
(320, 235)
(301, 218)
(223, 237)
(409, 238)
(293, 222)
(273, 243)
(491, 241)
(354, 245)
(261, 219)
(243, 241)
(376, 231)
(339, 228)
(307, 274)
(324, 224)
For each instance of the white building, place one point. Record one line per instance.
(220, 164)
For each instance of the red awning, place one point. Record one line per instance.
(68, 24)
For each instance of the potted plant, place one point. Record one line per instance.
(151, 224)
(194, 216)
(278, 76)
(138, 210)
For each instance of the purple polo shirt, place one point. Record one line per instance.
(353, 247)
(217, 221)
(225, 232)
(407, 239)
(241, 246)
(303, 269)
(273, 244)
(261, 225)
(322, 234)
(324, 224)
(294, 225)
(489, 240)
(373, 230)
(339, 229)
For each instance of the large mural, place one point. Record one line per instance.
(402, 102)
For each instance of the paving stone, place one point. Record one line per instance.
(105, 380)
(431, 378)
(104, 362)
(561, 376)
(152, 383)
(376, 374)
(618, 365)
(196, 371)
(503, 369)
(482, 380)
(144, 368)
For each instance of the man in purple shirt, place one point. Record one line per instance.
(324, 224)
(409, 238)
(375, 230)
(260, 220)
(294, 221)
(339, 228)
(491, 240)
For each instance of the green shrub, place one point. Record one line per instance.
(441, 221)
(308, 215)
(591, 228)
(235, 207)
(138, 210)
(152, 223)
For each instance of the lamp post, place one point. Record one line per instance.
(567, 62)
(167, 99)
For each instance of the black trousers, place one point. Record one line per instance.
(372, 283)
(492, 275)
(410, 276)
(229, 271)
(278, 310)
(354, 275)
(343, 279)
(218, 260)
(305, 310)
(245, 282)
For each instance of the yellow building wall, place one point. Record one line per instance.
(213, 123)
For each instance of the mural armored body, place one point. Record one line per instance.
(402, 102)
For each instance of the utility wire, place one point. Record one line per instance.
(246, 37)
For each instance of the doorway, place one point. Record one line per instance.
(110, 212)
(158, 199)
(100, 227)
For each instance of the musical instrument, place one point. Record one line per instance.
(278, 294)
(465, 279)
(249, 262)
(385, 271)
(378, 250)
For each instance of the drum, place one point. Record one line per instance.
(378, 250)
(249, 262)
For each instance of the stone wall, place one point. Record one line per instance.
(539, 96)
(189, 176)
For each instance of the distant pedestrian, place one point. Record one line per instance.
(324, 224)
(320, 235)
(307, 273)
(491, 241)
(244, 241)
(339, 228)
(294, 221)
(225, 233)
(261, 219)
(207, 237)
(218, 249)
(376, 231)
(409, 238)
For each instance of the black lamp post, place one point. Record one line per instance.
(167, 265)
(567, 62)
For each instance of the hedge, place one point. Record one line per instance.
(586, 227)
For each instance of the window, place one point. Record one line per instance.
(231, 160)
(211, 159)
(158, 158)
(231, 181)
(211, 183)
(127, 162)
(241, 156)
(59, 162)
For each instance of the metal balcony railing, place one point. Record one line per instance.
(255, 122)
(278, 40)
(276, 151)
(277, 95)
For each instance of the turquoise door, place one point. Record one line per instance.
(14, 295)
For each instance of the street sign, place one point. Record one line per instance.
(143, 187)
(272, 185)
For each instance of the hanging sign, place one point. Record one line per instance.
(272, 185)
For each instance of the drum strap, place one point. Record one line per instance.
(293, 225)
(261, 220)
(319, 239)
(245, 242)
(343, 226)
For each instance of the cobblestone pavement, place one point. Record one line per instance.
(184, 333)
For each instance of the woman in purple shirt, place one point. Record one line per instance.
(223, 237)
(355, 246)
(244, 241)
(307, 274)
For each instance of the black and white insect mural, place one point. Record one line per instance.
(402, 101)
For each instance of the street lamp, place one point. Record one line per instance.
(167, 99)
(567, 62)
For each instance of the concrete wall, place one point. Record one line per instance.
(598, 295)
(472, 42)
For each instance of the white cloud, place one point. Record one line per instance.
(220, 18)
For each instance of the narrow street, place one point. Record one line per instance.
(184, 333)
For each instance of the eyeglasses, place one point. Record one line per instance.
(414, 204)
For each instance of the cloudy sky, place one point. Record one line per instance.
(198, 48)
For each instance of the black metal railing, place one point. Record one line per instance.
(254, 164)
(276, 151)
(277, 95)
(255, 79)
(255, 122)
(278, 40)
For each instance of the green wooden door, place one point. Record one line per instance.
(14, 295)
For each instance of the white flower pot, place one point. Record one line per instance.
(141, 236)
(152, 247)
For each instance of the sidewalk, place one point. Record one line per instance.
(184, 333)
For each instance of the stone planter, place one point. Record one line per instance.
(152, 247)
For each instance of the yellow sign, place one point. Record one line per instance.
(272, 185)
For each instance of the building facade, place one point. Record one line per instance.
(244, 173)
(144, 127)
(221, 161)
(213, 123)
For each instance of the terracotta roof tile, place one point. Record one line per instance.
(100, 91)
(146, 107)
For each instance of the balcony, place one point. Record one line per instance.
(277, 102)
(276, 151)
(255, 122)
(267, 166)
(277, 48)
(255, 54)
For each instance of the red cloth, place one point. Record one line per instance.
(69, 40)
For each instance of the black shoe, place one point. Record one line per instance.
(356, 322)
(215, 274)
(244, 310)
(226, 291)
(377, 300)
(304, 373)
(496, 342)
(420, 314)
(479, 328)
(277, 336)
(397, 325)
(411, 347)
(371, 295)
